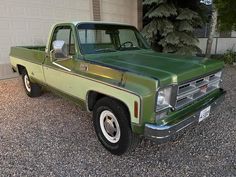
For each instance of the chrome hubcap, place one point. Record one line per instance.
(110, 126)
(27, 83)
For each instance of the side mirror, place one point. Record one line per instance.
(60, 49)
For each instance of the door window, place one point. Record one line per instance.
(65, 34)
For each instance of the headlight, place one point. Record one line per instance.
(215, 80)
(219, 75)
(163, 99)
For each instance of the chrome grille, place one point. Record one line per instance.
(193, 90)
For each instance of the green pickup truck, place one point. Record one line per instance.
(132, 91)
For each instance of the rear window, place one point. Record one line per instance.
(92, 36)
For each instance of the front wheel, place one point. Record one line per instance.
(31, 89)
(111, 123)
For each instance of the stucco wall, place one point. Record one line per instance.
(233, 34)
(125, 11)
(27, 22)
(219, 46)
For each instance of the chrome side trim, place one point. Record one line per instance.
(60, 66)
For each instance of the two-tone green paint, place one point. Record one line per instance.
(76, 85)
(128, 76)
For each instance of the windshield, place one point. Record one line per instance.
(103, 38)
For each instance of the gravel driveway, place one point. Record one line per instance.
(49, 136)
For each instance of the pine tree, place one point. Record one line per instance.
(170, 26)
(226, 14)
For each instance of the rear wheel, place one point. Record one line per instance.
(31, 89)
(112, 126)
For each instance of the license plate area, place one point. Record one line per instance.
(204, 113)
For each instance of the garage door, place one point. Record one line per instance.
(27, 22)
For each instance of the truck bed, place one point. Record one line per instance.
(41, 48)
(33, 54)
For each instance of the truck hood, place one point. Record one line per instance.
(167, 68)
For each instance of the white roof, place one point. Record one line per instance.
(100, 22)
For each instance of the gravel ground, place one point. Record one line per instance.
(49, 136)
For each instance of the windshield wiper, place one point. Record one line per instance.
(106, 50)
(128, 48)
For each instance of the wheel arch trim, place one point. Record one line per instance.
(124, 102)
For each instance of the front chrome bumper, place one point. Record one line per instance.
(163, 133)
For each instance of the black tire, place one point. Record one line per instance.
(31, 89)
(127, 141)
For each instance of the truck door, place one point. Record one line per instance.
(57, 68)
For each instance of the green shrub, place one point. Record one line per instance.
(229, 57)
(217, 56)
